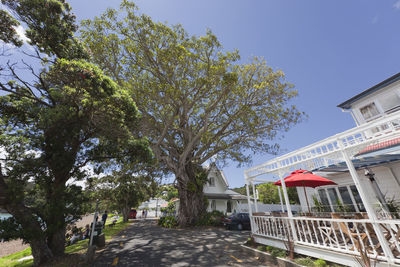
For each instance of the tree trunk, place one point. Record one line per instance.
(40, 252)
(125, 213)
(191, 197)
(56, 220)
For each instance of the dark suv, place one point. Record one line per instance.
(237, 221)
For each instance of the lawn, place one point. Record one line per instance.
(72, 253)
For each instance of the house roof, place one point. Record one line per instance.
(347, 104)
(380, 146)
(227, 194)
(219, 173)
(360, 163)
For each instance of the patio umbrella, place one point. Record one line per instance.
(303, 178)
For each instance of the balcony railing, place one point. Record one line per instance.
(327, 151)
(350, 236)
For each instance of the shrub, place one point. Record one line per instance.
(168, 221)
(305, 261)
(320, 263)
(213, 218)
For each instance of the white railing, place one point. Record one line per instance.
(350, 236)
(326, 152)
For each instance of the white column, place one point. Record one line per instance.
(289, 209)
(370, 210)
(248, 194)
(255, 196)
(280, 198)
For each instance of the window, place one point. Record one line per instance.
(346, 198)
(369, 111)
(357, 198)
(228, 206)
(211, 181)
(324, 199)
(333, 197)
(213, 205)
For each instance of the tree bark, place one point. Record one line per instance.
(125, 213)
(191, 197)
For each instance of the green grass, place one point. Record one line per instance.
(78, 248)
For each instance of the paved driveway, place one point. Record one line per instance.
(146, 244)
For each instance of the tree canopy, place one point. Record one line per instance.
(198, 101)
(65, 115)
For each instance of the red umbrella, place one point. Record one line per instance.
(305, 179)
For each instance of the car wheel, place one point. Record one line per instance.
(240, 227)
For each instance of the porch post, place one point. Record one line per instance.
(289, 209)
(255, 196)
(248, 194)
(370, 210)
(280, 198)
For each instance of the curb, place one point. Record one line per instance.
(268, 258)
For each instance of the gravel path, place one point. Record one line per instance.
(10, 247)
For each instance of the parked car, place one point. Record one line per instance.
(132, 214)
(237, 221)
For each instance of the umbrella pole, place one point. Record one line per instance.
(308, 205)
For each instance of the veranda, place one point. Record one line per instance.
(334, 236)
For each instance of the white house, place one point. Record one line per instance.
(219, 196)
(365, 163)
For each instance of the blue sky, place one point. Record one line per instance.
(330, 50)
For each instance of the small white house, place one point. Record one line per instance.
(219, 196)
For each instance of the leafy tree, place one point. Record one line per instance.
(167, 192)
(125, 188)
(198, 102)
(53, 123)
(268, 194)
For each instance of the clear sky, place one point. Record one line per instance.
(330, 50)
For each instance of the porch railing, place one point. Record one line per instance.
(351, 236)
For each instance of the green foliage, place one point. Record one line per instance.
(168, 221)
(268, 194)
(170, 210)
(125, 188)
(196, 99)
(394, 207)
(8, 34)
(167, 192)
(305, 261)
(276, 252)
(213, 218)
(262, 248)
(318, 206)
(320, 263)
(66, 115)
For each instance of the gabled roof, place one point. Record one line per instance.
(220, 173)
(347, 104)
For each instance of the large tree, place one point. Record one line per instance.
(198, 102)
(126, 187)
(55, 121)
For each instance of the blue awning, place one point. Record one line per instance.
(360, 163)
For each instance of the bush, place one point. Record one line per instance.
(168, 221)
(213, 218)
(276, 252)
(305, 261)
(320, 263)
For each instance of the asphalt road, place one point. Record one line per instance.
(146, 244)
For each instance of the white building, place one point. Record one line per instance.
(219, 196)
(365, 164)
